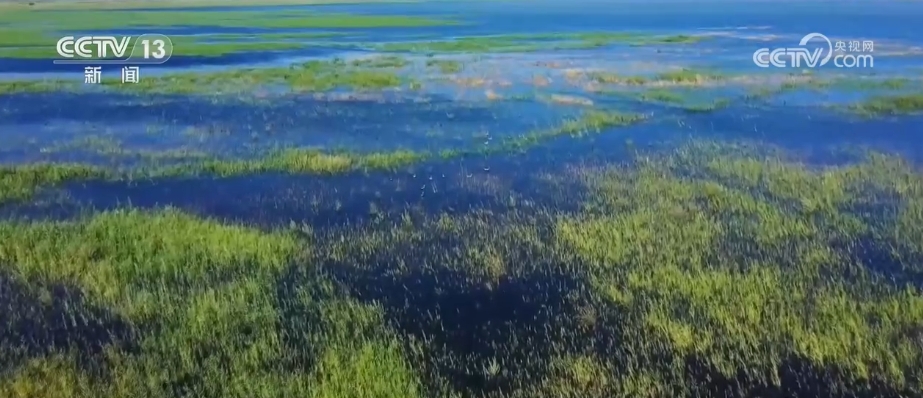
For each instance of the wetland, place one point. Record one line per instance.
(462, 199)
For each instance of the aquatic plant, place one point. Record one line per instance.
(445, 65)
(309, 76)
(689, 76)
(175, 310)
(382, 61)
(158, 4)
(462, 45)
(889, 105)
(22, 181)
(25, 44)
(661, 95)
(33, 86)
(30, 33)
(704, 269)
(537, 42)
(252, 18)
(707, 107)
(612, 78)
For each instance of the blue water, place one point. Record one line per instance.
(455, 112)
(893, 19)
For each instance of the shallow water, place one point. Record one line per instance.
(629, 267)
(494, 95)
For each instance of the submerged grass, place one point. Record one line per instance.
(21, 181)
(446, 65)
(708, 269)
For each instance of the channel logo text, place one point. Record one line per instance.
(147, 49)
(820, 54)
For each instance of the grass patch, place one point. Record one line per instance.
(708, 269)
(683, 77)
(155, 4)
(889, 105)
(36, 86)
(32, 34)
(612, 78)
(200, 299)
(314, 76)
(745, 197)
(712, 106)
(383, 61)
(22, 181)
(462, 45)
(445, 65)
(264, 19)
(592, 122)
(660, 95)
(24, 44)
(689, 76)
(184, 48)
(537, 42)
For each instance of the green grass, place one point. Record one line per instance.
(382, 61)
(893, 83)
(302, 161)
(313, 76)
(687, 76)
(32, 34)
(537, 42)
(674, 272)
(461, 45)
(446, 65)
(268, 19)
(155, 4)
(707, 107)
(200, 49)
(889, 105)
(613, 78)
(660, 95)
(20, 182)
(591, 122)
(713, 219)
(113, 150)
(189, 287)
(676, 99)
(24, 38)
(25, 44)
(36, 86)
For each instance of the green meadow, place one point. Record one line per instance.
(31, 33)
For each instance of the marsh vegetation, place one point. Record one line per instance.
(576, 224)
(714, 268)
